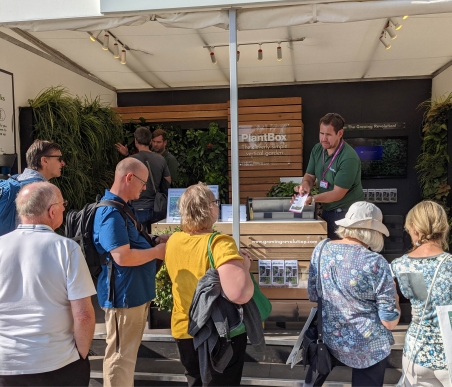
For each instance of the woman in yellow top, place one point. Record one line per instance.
(187, 261)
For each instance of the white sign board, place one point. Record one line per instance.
(7, 133)
(172, 212)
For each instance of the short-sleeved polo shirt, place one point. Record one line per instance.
(133, 285)
(345, 172)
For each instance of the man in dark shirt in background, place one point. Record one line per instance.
(144, 206)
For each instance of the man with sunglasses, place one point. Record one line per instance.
(44, 161)
(337, 167)
(47, 317)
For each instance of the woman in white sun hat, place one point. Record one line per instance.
(360, 305)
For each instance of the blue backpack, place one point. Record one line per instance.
(8, 192)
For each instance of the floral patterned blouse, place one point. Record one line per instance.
(415, 276)
(358, 292)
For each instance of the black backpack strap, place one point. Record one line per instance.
(126, 212)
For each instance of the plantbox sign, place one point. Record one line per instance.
(7, 132)
(376, 126)
(271, 144)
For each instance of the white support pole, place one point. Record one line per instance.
(234, 126)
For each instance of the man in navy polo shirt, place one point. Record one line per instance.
(126, 292)
(337, 167)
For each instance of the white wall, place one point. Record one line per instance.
(442, 84)
(32, 74)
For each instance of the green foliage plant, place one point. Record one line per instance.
(163, 285)
(434, 161)
(284, 190)
(86, 130)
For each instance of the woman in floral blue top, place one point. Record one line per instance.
(360, 304)
(424, 360)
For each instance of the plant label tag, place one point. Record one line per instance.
(323, 184)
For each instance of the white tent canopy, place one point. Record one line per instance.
(248, 18)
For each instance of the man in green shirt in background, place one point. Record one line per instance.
(337, 167)
(159, 141)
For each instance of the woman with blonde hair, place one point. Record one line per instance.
(424, 276)
(187, 261)
(359, 302)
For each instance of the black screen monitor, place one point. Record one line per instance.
(384, 157)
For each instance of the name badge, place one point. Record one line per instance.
(323, 184)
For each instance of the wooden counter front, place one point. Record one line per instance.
(294, 240)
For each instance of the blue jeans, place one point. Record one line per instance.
(330, 218)
(144, 216)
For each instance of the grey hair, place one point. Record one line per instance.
(371, 238)
(35, 199)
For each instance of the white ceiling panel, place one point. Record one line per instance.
(161, 57)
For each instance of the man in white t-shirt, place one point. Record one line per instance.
(46, 315)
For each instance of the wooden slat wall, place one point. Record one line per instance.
(260, 239)
(260, 169)
(200, 112)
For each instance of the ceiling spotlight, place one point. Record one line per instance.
(390, 31)
(405, 17)
(382, 40)
(123, 56)
(279, 52)
(260, 54)
(238, 55)
(212, 55)
(396, 24)
(116, 50)
(105, 43)
(91, 37)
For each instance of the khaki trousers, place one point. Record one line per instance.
(125, 328)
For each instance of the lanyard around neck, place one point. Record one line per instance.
(332, 160)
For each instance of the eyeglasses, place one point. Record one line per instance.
(60, 158)
(217, 202)
(144, 182)
(64, 203)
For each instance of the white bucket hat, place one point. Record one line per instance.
(364, 215)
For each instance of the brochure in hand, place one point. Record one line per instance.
(298, 204)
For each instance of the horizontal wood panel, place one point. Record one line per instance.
(288, 152)
(172, 108)
(284, 293)
(289, 137)
(271, 146)
(277, 129)
(190, 115)
(264, 187)
(269, 109)
(270, 117)
(260, 180)
(257, 157)
(295, 166)
(281, 241)
(269, 101)
(259, 122)
(298, 253)
(290, 310)
(269, 173)
(315, 228)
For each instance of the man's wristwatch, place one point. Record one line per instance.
(154, 240)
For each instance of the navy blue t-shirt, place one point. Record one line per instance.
(134, 285)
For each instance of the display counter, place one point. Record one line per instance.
(283, 241)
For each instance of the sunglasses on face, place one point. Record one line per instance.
(60, 158)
